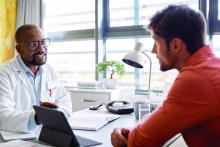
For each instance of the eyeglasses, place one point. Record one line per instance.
(33, 45)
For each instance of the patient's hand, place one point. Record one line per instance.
(119, 137)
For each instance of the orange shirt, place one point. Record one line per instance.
(192, 107)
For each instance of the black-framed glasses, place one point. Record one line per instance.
(33, 45)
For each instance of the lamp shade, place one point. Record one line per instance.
(135, 58)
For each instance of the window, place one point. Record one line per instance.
(218, 11)
(133, 16)
(216, 44)
(137, 12)
(71, 25)
(138, 77)
(214, 22)
(214, 25)
(73, 60)
(69, 15)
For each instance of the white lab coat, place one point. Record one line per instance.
(17, 95)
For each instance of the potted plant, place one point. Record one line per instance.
(115, 67)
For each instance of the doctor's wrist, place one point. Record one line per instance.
(37, 121)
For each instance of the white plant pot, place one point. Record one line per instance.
(111, 83)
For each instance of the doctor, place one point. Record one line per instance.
(27, 80)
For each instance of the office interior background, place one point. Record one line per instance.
(86, 32)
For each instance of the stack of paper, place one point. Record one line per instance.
(6, 135)
(85, 121)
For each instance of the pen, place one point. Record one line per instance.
(50, 92)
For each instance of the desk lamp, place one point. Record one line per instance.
(135, 59)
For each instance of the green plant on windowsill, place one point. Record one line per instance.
(115, 67)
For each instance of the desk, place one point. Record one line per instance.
(103, 134)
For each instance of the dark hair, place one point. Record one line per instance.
(22, 29)
(182, 22)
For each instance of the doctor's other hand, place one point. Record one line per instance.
(47, 105)
(119, 137)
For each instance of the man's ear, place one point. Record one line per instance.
(176, 44)
(17, 47)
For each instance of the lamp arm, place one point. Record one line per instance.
(149, 77)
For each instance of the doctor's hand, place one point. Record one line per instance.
(119, 137)
(47, 105)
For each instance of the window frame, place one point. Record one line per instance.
(213, 22)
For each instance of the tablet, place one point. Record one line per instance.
(57, 131)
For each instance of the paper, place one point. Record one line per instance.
(85, 121)
(6, 135)
(21, 143)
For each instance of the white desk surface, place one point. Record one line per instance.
(104, 134)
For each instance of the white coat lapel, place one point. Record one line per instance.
(25, 80)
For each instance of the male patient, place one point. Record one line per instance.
(192, 106)
(26, 80)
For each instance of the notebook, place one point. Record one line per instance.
(57, 131)
(79, 121)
